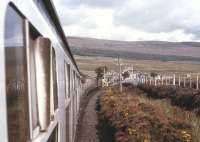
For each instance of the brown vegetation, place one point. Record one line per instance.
(137, 121)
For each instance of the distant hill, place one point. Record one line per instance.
(150, 50)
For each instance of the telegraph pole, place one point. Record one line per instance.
(120, 71)
(104, 72)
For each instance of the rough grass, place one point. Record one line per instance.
(91, 63)
(188, 99)
(175, 112)
(137, 120)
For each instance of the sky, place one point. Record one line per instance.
(131, 20)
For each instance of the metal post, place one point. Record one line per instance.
(179, 80)
(162, 80)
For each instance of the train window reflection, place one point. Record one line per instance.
(16, 77)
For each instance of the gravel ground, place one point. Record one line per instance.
(87, 131)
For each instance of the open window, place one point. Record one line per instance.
(43, 79)
(46, 81)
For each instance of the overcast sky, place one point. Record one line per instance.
(170, 20)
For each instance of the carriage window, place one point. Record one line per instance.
(16, 77)
(67, 80)
(54, 79)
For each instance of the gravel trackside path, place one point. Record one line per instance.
(87, 131)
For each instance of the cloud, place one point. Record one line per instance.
(70, 16)
(92, 3)
(131, 19)
(160, 16)
(95, 23)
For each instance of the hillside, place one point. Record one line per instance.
(148, 50)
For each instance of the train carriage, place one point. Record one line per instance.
(40, 83)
